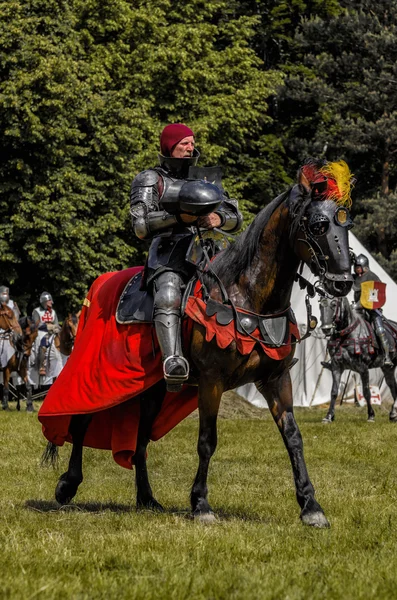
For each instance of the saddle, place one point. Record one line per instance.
(136, 306)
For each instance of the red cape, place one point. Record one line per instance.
(109, 366)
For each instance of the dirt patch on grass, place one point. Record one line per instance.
(234, 406)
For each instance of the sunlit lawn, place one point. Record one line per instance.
(100, 547)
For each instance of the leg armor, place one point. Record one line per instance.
(167, 320)
(43, 355)
(377, 322)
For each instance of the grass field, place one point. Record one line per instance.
(100, 547)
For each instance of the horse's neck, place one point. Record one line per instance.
(270, 277)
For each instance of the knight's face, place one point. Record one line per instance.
(48, 304)
(358, 270)
(184, 148)
(4, 298)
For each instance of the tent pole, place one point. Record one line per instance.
(318, 379)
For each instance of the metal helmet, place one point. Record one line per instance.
(44, 298)
(199, 197)
(4, 294)
(362, 261)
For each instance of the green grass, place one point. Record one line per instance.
(101, 548)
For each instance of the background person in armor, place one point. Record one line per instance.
(47, 323)
(362, 274)
(5, 299)
(167, 270)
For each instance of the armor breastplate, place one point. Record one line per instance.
(169, 199)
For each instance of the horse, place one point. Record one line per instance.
(18, 337)
(248, 283)
(352, 345)
(64, 340)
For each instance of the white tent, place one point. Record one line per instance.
(311, 383)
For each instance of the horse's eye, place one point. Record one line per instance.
(342, 217)
(318, 225)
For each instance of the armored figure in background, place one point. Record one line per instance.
(5, 299)
(47, 323)
(362, 274)
(157, 215)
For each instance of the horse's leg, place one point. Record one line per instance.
(210, 394)
(150, 405)
(278, 394)
(336, 377)
(69, 482)
(29, 401)
(367, 394)
(390, 379)
(6, 390)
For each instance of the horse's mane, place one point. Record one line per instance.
(232, 262)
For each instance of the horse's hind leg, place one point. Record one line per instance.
(150, 405)
(278, 394)
(69, 482)
(367, 394)
(209, 400)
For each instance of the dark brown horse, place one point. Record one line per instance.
(20, 337)
(257, 273)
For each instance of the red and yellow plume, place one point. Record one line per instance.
(340, 182)
(330, 180)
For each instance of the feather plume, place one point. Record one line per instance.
(340, 182)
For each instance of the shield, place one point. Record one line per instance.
(373, 294)
(275, 329)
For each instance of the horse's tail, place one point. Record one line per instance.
(50, 456)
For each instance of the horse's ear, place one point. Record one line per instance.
(69, 315)
(303, 180)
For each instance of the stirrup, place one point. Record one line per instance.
(387, 362)
(176, 378)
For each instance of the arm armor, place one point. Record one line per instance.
(146, 224)
(230, 215)
(147, 219)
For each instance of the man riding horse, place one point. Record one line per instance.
(362, 274)
(155, 195)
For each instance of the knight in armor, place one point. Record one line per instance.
(5, 299)
(158, 215)
(47, 322)
(362, 273)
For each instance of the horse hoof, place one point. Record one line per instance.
(205, 518)
(6, 407)
(328, 419)
(30, 409)
(371, 420)
(151, 504)
(393, 417)
(65, 490)
(315, 519)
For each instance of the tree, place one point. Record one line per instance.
(341, 100)
(88, 86)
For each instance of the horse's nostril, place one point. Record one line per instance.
(342, 288)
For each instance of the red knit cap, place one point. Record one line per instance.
(171, 135)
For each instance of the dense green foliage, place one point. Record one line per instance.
(100, 548)
(87, 86)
